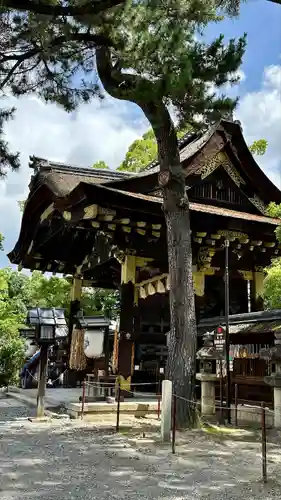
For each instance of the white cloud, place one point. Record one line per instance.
(98, 131)
(260, 115)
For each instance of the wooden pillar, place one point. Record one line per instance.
(42, 380)
(257, 291)
(126, 329)
(75, 297)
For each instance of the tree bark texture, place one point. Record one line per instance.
(182, 337)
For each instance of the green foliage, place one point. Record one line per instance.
(1, 242)
(272, 285)
(141, 152)
(12, 315)
(100, 164)
(97, 301)
(259, 147)
(11, 360)
(7, 159)
(274, 210)
(53, 55)
(144, 151)
(19, 291)
(21, 205)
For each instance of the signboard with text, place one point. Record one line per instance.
(219, 340)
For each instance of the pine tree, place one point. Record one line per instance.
(150, 53)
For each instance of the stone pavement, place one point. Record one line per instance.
(66, 460)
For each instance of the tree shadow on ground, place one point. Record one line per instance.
(74, 460)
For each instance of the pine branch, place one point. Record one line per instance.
(144, 93)
(95, 40)
(44, 8)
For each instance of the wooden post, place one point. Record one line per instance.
(118, 408)
(42, 380)
(263, 437)
(226, 307)
(158, 405)
(126, 344)
(236, 405)
(221, 394)
(174, 420)
(83, 399)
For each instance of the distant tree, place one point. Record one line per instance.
(144, 151)
(1, 242)
(272, 282)
(21, 205)
(274, 210)
(259, 147)
(100, 164)
(272, 285)
(140, 153)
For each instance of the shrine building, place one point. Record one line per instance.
(106, 229)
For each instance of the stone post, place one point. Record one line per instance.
(166, 411)
(277, 407)
(208, 400)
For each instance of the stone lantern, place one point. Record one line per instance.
(273, 356)
(208, 356)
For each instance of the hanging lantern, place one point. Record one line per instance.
(94, 328)
(93, 343)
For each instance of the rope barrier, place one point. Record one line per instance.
(36, 379)
(114, 383)
(243, 408)
(195, 403)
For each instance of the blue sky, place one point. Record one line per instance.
(261, 20)
(103, 131)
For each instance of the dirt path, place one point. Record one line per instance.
(70, 460)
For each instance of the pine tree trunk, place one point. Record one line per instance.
(182, 338)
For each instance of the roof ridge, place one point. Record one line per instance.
(39, 164)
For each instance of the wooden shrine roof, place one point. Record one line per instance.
(68, 207)
(195, 151)
(61, 178)
(254, 323)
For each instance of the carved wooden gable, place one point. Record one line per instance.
(219, 182)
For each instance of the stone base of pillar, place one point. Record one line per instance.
(277, 407)
(275, 381)
(208, 400)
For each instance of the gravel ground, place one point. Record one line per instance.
(71, 460)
